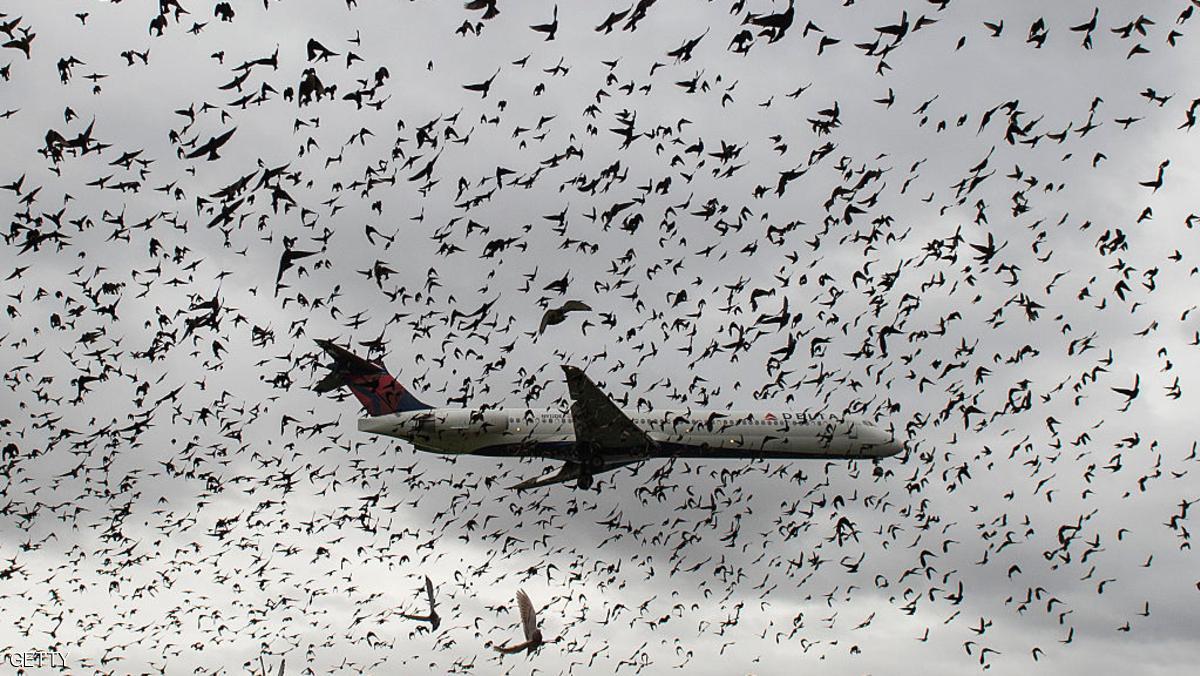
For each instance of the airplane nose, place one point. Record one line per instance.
(888, 448)
(881, 444)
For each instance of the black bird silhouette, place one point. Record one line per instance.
(488, 6)
(557, 315)
(559, 286)
(774, 25)
(1157, 182)
(211, 146)
(287, 260)
(319, 52)
(483, 87)
(684, 52)
(1130, 393)
(432, 618)
(549, 29)
(613, 19)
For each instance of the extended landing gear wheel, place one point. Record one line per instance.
(584, 481)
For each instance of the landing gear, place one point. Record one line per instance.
(590, 462)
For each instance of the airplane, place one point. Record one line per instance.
(596, 435)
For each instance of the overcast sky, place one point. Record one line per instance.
(176, 498)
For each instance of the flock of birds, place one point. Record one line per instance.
(964, 226)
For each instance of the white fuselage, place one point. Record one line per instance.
(699, 434)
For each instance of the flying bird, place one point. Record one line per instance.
(211, 146)
(533, 635)
(488, 6)
(432, 618)
(556, 315)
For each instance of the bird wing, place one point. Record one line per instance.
(597, 420)
(220, 140)
(528, 614)
(200, 150)
(429, 592)
(575, 306)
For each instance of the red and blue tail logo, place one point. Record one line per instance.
(375, 388)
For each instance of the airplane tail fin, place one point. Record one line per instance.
(375, 388)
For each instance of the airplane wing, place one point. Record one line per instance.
(569, 471)
(605, 437)
(598, 422)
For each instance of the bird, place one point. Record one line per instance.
(211, 146)
(287, 260)
(555, 316)
(1157, 182)
(490, 11)
(533, 635)
(432, 618)
(1130, 393)
(548, 29)
(482, 87)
